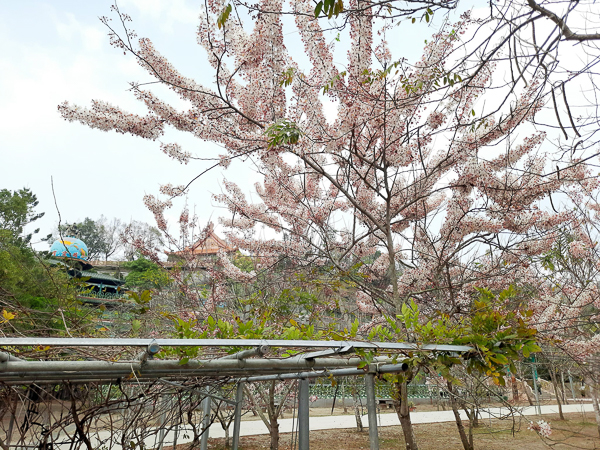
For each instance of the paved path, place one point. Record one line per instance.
(257, 427)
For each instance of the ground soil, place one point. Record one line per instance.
(577, 432)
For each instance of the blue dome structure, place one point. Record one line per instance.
(70, 248)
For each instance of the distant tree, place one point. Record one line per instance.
(139, 235)
(145, 274)
(112, 229)
(17, 210)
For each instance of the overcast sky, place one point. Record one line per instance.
(58, 50)
(54, 51)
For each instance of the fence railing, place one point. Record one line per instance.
(326, 391)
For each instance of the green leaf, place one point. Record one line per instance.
(224, 16)
(282, 133)
(318, 9)
(136, 325)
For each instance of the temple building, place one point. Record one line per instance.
(96, 287)
(203, 249)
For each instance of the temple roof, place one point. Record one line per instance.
(207, 247)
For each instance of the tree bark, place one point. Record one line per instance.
(401, 406)
(594, 395)
(525, 386)
(466, 442)
(556, 393)
(356, 400)
(515, 389)
(274, 433)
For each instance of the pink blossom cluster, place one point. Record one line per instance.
(541, 427)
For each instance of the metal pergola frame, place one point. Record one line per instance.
(328, 358)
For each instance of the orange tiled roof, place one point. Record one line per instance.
(210, 246)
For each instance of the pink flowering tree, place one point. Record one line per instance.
(568, 308)
(415, 189)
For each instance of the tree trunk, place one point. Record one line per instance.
(356, 400)
(515, 389)
(466, 442)
(527, 394)
(226, 436)
(594, 395)
(400, 400)
(563, 389)
(274, 432)
(556, 393)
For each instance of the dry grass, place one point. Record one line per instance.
(577, 432)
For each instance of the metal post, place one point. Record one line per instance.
(261, 351)
(372, 410)
(163, 417)
(206, 404)
(571, 383)
(535, 390)
(303, 416)
(237, 420)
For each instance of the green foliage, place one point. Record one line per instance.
(496, 329)
(331, 83)
(257, 328)
(243, 262)
(34, 296)
(145, 274)
(41, 297)
(283, 132)
(224, 16)
(329, 8)
(17, 210)
(287, 77)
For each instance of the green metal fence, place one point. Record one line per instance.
(325, 391)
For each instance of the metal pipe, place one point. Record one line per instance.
(5, 357)
(237, 419)
(261, 350)
(246, 374)
(303, 416)
(372, 411)
(173, 365)
(384, 368)
(571, 383)
(206, 404)
(106, 342)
